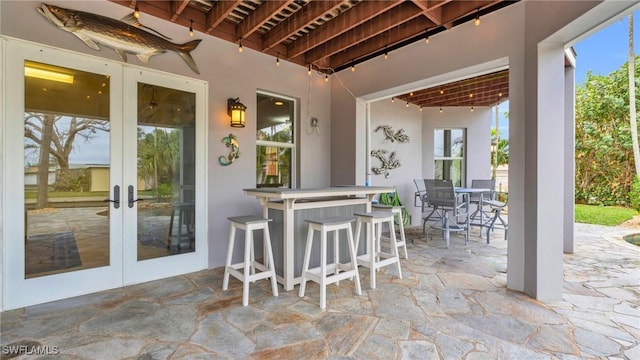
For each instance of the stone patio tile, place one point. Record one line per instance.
(507, 328)
(465, 281)
(418, 350)
(267, 337)
(343, 332)
(594, 344)
(451, 347)
(146, 320)
(244, 318)
(553, 339)
(396, 329)
(377, 347)
(216, 335)
(112, 348)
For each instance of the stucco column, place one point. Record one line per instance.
(569, 157)
(545, 173)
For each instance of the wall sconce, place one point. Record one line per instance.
(236, 109)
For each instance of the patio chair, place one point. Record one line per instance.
(420, 196)
(442, 197)
(476, 199)
(433, 214)
(497, 208)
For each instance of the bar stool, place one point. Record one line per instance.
(248, 224)
(186, 211)
(329, 273)
(374, 258)
(395, 210)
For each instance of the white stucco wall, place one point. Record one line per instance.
(230, 74)
(509, 37)
(398, 116)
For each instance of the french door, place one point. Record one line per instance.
(102, 165)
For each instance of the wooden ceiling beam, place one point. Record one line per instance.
(432, 11)
(358, 14)
(219, 13)
(177, 7)
(389, 20)
(298, 21)
(456, 9)
(402, 32)
(261, 15)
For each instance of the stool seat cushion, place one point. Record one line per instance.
(335, 220)
(248, 219)
(386, 207)
(375, 214)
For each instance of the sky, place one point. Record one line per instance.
(602, 53)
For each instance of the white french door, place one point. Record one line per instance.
(89, 202)
(162, 168)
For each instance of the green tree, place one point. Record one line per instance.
(158, 153)
(604, 158)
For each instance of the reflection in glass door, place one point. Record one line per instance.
(166, 171)
(66, 169)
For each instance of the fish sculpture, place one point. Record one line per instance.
(125, 36)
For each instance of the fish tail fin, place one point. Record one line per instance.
(185, 54)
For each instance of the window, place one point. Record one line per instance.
(449, 147)
(275, 145)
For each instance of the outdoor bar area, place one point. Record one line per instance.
(308, 179)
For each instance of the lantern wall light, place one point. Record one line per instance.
(236, 110)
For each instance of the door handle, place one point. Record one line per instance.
(116, 196)
(131, 200)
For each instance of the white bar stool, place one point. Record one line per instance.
(329, 273)
(374, 258)
(395, 210)
(248, 224)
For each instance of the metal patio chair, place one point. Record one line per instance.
(452, 206)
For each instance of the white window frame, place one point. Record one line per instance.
(292, 144)
(463, 158)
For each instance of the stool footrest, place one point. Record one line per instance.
(235, 271)
(347, 272)
(381, 260)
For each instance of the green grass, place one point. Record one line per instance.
(68, 194)
(603, 215)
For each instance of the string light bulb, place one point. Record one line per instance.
(420, 108)
(393, 99)
(407, 104)
(426, 40)
(471, 108)
(191, 28)
(386, 55)
(326, 77)
(239, 46)
(441, 91)
(136, 12)
(278, 60)
(309, 71)
(440, 109)
(477, 21)
(353, 67)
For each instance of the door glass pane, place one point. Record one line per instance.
(166, 171)
(66, 174)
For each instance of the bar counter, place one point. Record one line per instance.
(289, 208)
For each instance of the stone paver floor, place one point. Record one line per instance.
(450, 304)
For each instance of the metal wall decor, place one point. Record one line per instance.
(388, 163)
(398, 136)
(230, 142)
